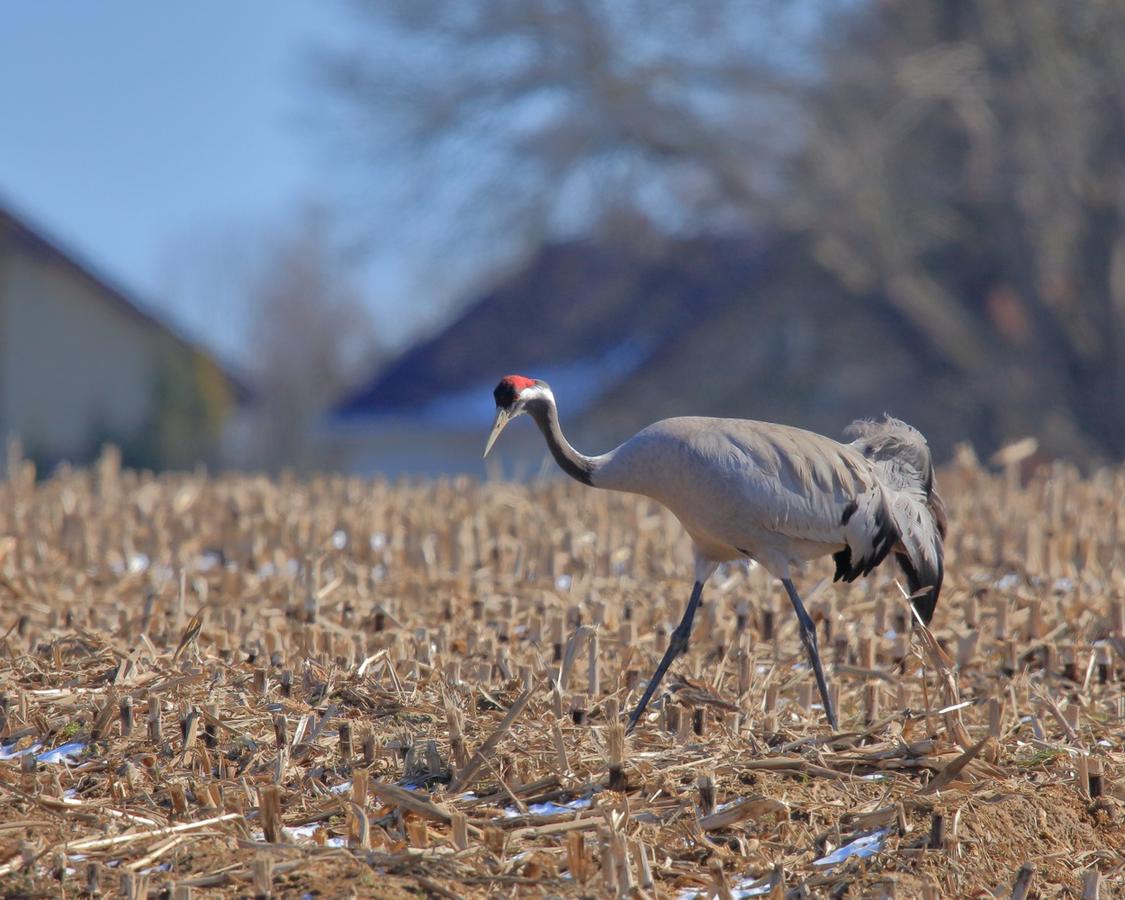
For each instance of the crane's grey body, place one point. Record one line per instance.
(742, 488)
(773, 493)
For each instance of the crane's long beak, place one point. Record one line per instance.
(502, 419)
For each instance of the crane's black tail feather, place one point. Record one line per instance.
(914, 513)
(848, 567)
(930, 579)
(849, 570)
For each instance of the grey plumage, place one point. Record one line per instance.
(783, 495)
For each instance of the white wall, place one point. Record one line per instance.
(69, 358)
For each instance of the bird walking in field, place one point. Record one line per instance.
(772, 493)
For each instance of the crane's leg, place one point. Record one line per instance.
(808, 638)
(676, 645)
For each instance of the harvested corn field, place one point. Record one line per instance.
(231, 686)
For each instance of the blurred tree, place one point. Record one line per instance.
(965, 168)
(279, 302)
(309, 338)
(957, 164)
(516, 119)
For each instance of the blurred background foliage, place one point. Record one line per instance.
(953, 170)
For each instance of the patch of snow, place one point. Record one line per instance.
(864, 846)
(1007, 582)
(7, 751)
(747, 887)
(205, 562)
(300, 833)
(65, 754)
(550, 808)
(163, 573)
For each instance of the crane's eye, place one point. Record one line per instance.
(505, 394)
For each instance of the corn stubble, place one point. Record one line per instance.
(277, 686)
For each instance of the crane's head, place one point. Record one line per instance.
(512, 394)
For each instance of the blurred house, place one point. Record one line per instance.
(81, 363)
(629, 334)
(581, 315)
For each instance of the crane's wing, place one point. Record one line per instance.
(785, 490)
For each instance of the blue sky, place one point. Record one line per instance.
(132, 126)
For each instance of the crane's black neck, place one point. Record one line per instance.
(546, 416)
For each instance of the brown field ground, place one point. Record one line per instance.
(336, 687)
